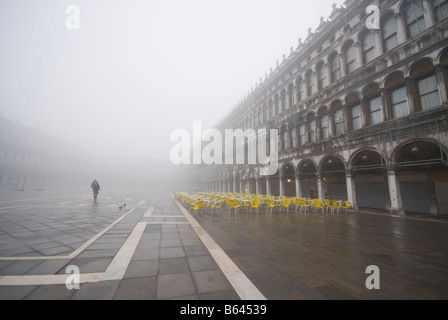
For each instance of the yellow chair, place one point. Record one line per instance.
(306, 204)
(234, 205)
(254, 204)
(318, 204)
(286, 203)
(271, 204)
(197, 206)
(329, 205)
(347, 206)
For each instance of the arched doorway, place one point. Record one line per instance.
(275, 185)
(333, 174)
(289, 180)
(423, 176)
(308, 179)
(370, 176)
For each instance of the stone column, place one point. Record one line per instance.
(281, 186)
(351, 190)
(358, 51)
(342, 65)
(428, 13)
(298, 189)
(401, 28)
(410, 95)
(396, 206)
(316, 81)
(268, 186)
(320, 189)
(379, 50)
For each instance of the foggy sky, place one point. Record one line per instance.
(137, 70)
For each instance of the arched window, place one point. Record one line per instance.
(338, 118)
(294, 143)
(396, 96)
(389, 32)
(309, 83)
(355, 113)
(286, 140)
(299, 89)
(440, 9)
(368, 46)
(312, 127)
(290, 101)
(373, 104)
(414, 17)
(277, 105)
(335, 67)
(426, 91)
(324, 120)
(322, 75)
(350, 57)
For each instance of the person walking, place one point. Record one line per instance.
(96, 188)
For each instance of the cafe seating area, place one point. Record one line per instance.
(234, 203)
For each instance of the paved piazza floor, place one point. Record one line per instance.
(153, 249)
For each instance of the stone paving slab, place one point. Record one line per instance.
(285, 256)
(168, 261)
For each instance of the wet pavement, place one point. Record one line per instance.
(153, 249)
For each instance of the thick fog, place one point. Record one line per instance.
(136, 70)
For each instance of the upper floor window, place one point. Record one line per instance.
(299, 90)
(339, 122)
(356, 112)
(399, 103)
(294, 138)
(368, 46)
(375, 110)
(309, 83)
(313, 130)
(396, 96)
(322, 75)
(389, 32)
(373, 103)
(425, 85)
(302, 135)
(414, 17)
(285, 140)
(428, 92)
(325, 127)
(440, 9)
(335, 67)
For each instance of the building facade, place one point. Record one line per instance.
(29, 157)
(361, 113)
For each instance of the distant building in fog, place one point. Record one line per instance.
(30, 156)
(361, 114)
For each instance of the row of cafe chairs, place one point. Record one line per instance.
(200, 201)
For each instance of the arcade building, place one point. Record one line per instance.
(362, 114)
